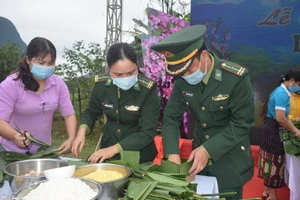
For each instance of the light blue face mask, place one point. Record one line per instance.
(295, 88)
(42, 72)
(125, 83)
(196, 77)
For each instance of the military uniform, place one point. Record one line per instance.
(223, 107)
(132, 115)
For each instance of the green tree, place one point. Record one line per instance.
(82, 63)
(9, 57)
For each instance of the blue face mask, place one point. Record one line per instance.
(125, 83)
(42, 72)
(294, 88)
(195, 78)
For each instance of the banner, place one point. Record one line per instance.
(261, 35)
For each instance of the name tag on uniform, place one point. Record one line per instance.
(187, 94)
(108, 105)
(132, 108)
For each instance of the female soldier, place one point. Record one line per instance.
(275, 112)
(131, 104)
(29, 98)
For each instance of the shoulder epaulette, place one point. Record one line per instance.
(102, 77)
(233, 68)
(146, 82)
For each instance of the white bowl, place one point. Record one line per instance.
(60, 172)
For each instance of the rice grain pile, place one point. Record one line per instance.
(62, 189)
(104, 175)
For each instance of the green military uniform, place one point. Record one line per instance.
(132, 115)
(222, 105)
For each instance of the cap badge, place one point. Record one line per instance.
(167, 54)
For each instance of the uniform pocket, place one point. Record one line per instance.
(220, 110)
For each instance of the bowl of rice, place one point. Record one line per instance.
(22, 173)
(112, 177)
(61, 189)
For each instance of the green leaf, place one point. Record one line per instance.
(136, 190)
(50, 152)
(149, 189)
(166, 179)
(32, 139)
(132, 158)
(77, 163)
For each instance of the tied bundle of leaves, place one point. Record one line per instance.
(291, 142)
(167, 181)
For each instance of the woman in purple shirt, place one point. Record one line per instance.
(30, 96)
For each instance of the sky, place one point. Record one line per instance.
(65, 21)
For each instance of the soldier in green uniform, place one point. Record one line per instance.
(131, 104)
(219, 95)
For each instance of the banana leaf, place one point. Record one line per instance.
(33, 139)
(166, 179)
(136, 190)
(290, 148)
(77, 163)
(132, 158)
(149, 190)
(45, 153)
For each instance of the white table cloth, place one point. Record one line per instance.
(292, 175)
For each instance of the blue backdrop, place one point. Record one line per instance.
(261, 35)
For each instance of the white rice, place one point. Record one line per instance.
(62, 189)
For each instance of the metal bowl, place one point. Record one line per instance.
(17, 170)
(93, 185)
(111, 189)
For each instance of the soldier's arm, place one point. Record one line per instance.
(242, 119)
(93, 111)
(173, 115)
(148, 124)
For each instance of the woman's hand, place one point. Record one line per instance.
(65, 147)
(103, 154)
(78, 144)
(20, 140)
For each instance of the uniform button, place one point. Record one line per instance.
(207, 137)
(187, 103)
(221, 108)
(209, 162)
(117, 111)
(204, 125)
(118, 122)
(203, 108)
(243, 148)
(119, 131)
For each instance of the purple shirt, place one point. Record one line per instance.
(32, 112)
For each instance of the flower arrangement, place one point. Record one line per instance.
(160, 26)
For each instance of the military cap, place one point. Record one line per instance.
(180, 48)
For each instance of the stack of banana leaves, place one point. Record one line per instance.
(45, 151)
(167, 181)
(291, 142)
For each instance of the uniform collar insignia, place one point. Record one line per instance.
(218, 75)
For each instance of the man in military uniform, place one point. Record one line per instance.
(219, 95)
